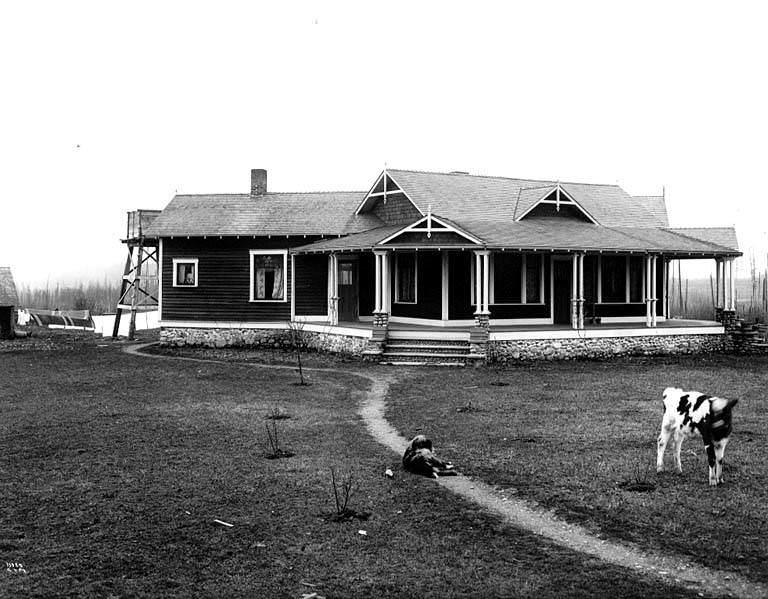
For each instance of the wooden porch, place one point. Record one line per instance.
(400, 330)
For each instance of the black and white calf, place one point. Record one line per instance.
(687, 413)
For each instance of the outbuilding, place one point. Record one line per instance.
(8, 301)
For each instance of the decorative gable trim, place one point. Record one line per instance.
(431, 224)
(373, 195)
(562, 198)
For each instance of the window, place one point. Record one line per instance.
(268, 273)
(636, 279)
(507, 281)
(533, 278)
(405, 278)
(516, 278)
(345, 273)
(613, 273)
(185, 272)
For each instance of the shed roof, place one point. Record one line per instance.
(8, 295)
(322, 213)
(554, 234)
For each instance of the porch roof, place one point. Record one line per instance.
(548, 234)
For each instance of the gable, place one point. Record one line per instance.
(384, 191)
(423, 231)
(555, 203)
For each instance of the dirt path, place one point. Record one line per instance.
(521, 514)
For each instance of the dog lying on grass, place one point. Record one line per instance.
(420, 459)
(687, 413)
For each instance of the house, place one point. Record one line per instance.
(8, 300)
(487, 263)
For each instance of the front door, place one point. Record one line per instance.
(348, 293)
(562, 271)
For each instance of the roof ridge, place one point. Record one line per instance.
(269, 193)
(697, 228)
(464, 174)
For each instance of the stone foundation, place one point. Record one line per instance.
(264, 338)
(601, 348)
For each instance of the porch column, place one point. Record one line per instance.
(377, 294)
(482, 287)
(478, 282)
(648, 291)
(731, 286)
(333, 289)
(726, 285)
(381, 301)
(386, 277)
(581, 291)
(654, 298)
(718, 262)
(486, 282)
(666, 287)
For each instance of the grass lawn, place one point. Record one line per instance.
(569, 435)
(113, 469)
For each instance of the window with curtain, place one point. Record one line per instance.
(613, 277)
(185, 272)
(268, 276)
(405, 284)
(507, 281)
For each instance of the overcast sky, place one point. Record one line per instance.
(109, 107)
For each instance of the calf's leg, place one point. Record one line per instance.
(677, 440)
(662, 445)
(719, 451)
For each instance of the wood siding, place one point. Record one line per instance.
(223, 282)
(311, 285)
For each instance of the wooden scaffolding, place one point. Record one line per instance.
(139, 290)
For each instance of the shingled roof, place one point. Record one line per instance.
(322, 213)
(657, 206)
(550, 234)
(8, 295)
(493, 209)
(460, 196)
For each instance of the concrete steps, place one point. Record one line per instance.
(428, 352)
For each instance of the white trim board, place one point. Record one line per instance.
(230, 325)
(429, 322)
(615, 319)
(598, 333)
(429, 335)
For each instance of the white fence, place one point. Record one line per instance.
(106, 322)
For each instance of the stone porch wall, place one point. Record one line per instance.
(604, 347)
(263, 338)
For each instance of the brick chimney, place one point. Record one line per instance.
(258, 181)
